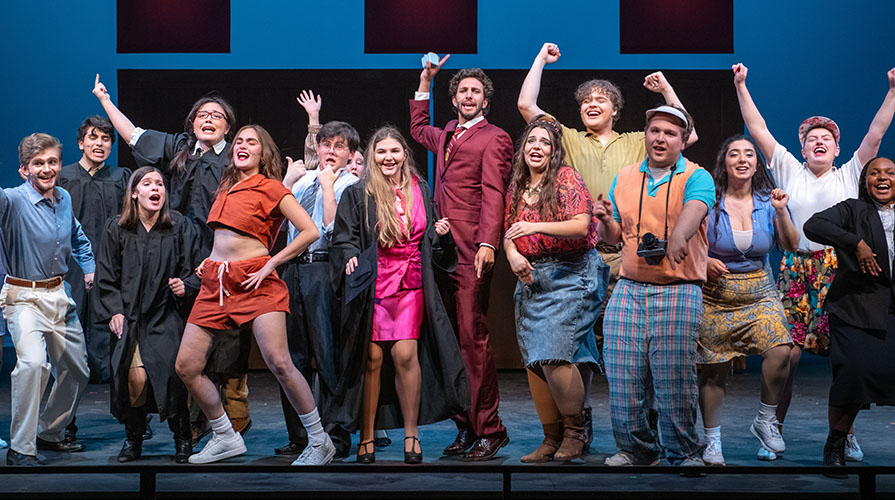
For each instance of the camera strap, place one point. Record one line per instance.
(667, 196)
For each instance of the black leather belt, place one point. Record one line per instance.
(308, 257)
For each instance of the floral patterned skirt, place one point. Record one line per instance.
(804, 280)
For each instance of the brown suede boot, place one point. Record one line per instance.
(552, 439)
(574, 441)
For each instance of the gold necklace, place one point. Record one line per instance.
(532, 190)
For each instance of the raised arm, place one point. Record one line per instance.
(531, 87)
(420, 129)
(785, 229)
(870, 145)
(428, 74)
(122, 124)
(656, 82)
(312, 107)
(756, 125)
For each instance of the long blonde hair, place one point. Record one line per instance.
(392, 230)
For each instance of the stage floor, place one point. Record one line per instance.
(805, 431)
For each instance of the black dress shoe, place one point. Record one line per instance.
(364, 456)
(486, 448)
(15, 458)
(183, 449)
(465, 440)
(290, 449)
(130, 451)
(62, 446)
(413, 457)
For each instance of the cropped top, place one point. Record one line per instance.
(251, 207)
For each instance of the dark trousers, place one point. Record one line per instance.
(310, 332)
(96, 334)
(466, 300)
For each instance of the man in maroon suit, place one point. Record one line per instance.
(471, 175)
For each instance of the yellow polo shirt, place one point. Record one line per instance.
(599, 164)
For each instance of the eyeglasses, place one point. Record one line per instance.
(215, 115)
(339, 147)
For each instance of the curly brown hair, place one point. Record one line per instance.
(478, 74)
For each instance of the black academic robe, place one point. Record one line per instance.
(94, 199)
(132, 271)
(191, 191)
(445, 388)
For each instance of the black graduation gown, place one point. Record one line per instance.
(132, 271)
(445, 388)
(190, 192)
(94, 199)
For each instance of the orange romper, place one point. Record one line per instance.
(250, 207)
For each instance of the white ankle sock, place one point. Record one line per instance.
(767, 413)
(712, 433)
(312, 424)
(222, 427)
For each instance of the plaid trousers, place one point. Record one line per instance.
(650, 340)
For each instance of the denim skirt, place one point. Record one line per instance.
(555, 315)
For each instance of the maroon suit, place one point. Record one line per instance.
(469, 191)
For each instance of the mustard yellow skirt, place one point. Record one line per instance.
(743, 316)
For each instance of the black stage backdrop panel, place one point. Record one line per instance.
(370, 98)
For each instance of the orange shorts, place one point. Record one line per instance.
(223, 303)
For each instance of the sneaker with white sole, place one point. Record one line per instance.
(712, 454)
(624, 458)
(317, 453)
(768, 434)
(766, 455)
(218, 448)
(853, 452)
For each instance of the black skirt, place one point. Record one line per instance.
(863, 367)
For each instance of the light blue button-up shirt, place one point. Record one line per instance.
(326, 231)
(39, 234)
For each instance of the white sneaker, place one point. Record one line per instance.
(768, 434)
(624, 458)
(853, 451)
(317, 453)
(766, 454)
(218, 448)
(3, 444)
(712, 454)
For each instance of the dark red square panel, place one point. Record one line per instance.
(676, 26)
(417, 26)
(147, 26)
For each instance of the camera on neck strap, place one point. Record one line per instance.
(652, 249)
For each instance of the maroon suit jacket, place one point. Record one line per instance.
(470, 187)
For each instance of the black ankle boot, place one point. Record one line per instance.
(131, 450)
(183, 449)
(834, 452)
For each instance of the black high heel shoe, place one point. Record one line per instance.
(366, 457)
(412, 457)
